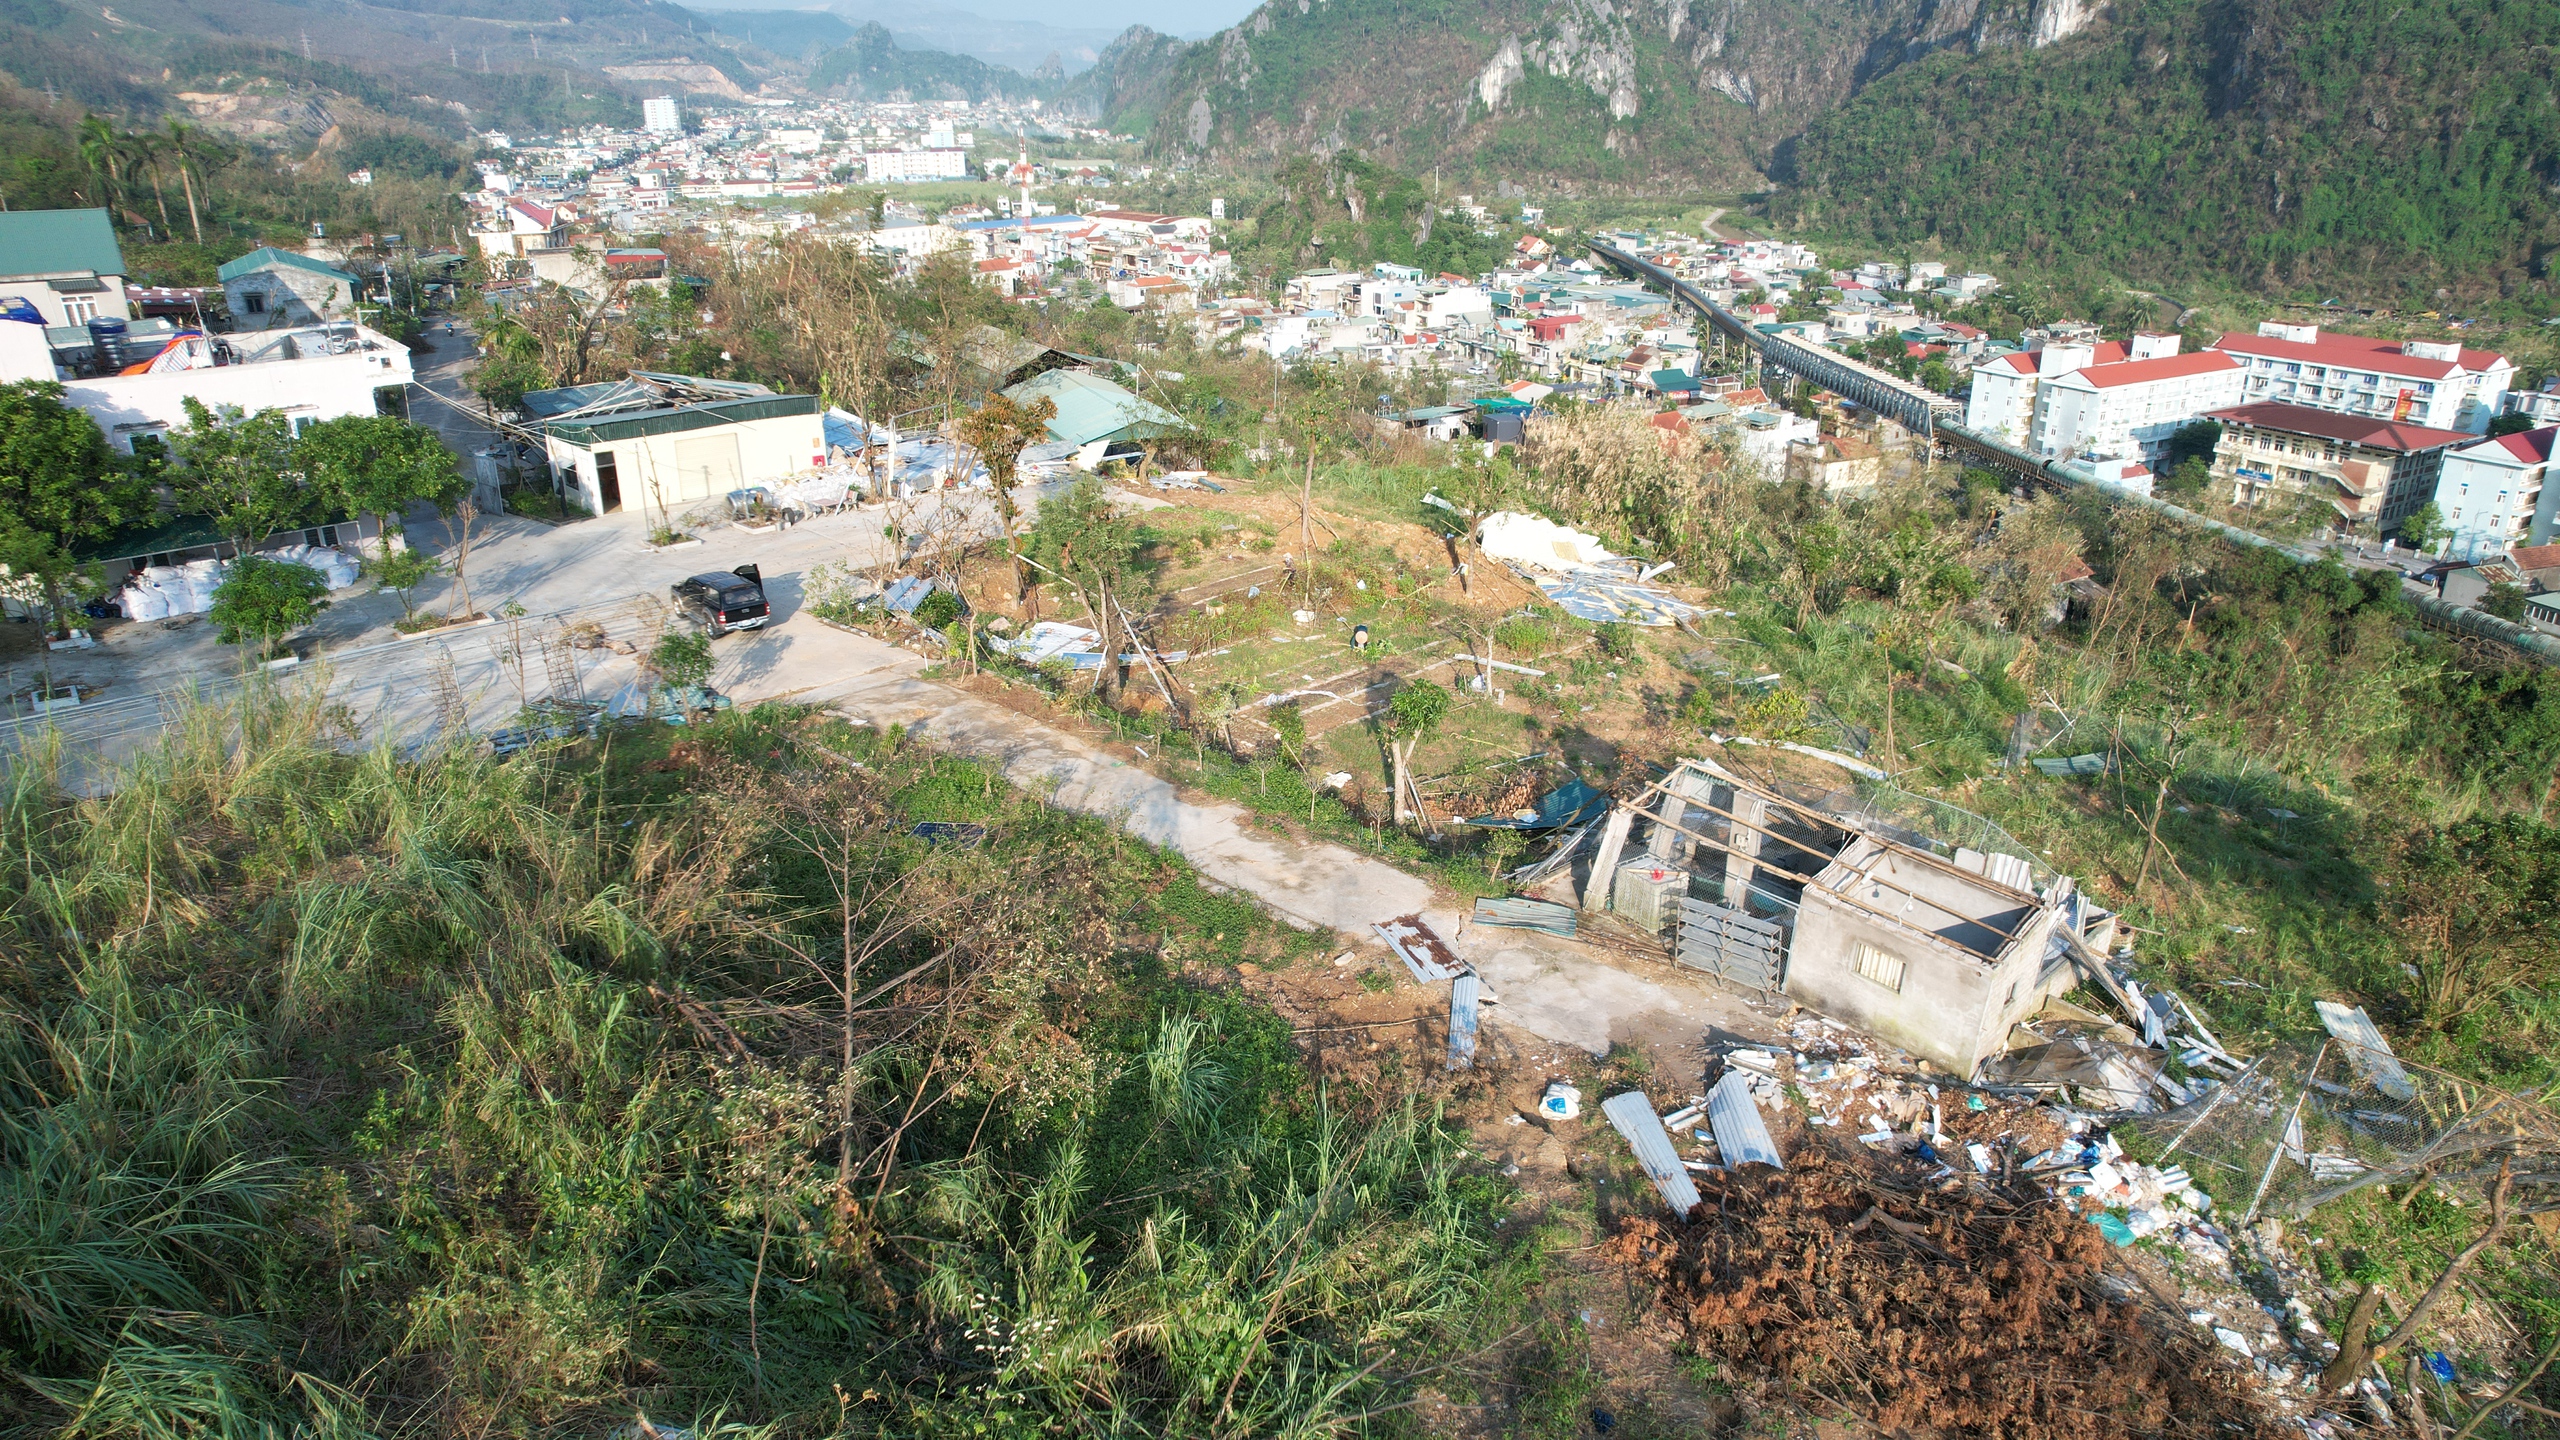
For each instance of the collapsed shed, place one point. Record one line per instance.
(1939, 948)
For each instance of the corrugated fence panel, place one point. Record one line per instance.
(1728, 944)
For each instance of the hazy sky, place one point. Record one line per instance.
(1174, 17)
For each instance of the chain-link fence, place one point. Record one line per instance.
(2293, 1132)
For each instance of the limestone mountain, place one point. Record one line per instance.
(1591, 94)
(871, 66)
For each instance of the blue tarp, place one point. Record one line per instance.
(1570, 803)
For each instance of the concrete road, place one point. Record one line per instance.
(1557, 990)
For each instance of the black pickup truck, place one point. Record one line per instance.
(725, 602)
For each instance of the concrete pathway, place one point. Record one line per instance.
(1557, 990)
(1312, 885)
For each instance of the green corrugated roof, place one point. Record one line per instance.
(59, 242)
(1091, 408)
(591, 433)
(266, 255)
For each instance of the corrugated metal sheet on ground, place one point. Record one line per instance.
(2366, 1049)
(1543, 915)
(1742, 1137)
(1634, 1117)
(1596, 598)
(2075, 765)
(1463, 995)
(1423, 952)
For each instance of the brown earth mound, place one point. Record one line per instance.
(1962, 1314)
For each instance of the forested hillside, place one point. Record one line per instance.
(2350, 144)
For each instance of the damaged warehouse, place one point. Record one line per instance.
(1937, 948)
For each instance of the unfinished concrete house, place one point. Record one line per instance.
(1857, 914)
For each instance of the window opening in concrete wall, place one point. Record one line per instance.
(1885, 970)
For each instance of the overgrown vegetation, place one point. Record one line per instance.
(2389, 148)
(449, 1094)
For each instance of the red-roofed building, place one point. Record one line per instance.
(2131, 407)
(2374, 473)
(2435, 383)
(2495, 497)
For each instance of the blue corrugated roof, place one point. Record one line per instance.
(1091, 408)
(59, 242)
(268, 256)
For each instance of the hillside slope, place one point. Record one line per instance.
(870, 66)
(438, 64)
(2342, 142)
(1583, 94)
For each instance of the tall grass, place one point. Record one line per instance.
(351, 1091)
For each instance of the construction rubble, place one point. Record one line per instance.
(1928, 1240)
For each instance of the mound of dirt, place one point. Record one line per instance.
(1959, 1314)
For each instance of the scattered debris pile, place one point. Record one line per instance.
(1975, 1311)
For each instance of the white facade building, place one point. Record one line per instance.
(2435, 383)
(2494, 497)
(314, 373)
(2132, 407)
(937, 163)
(660, 115)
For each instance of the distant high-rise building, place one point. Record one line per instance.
(660, 116)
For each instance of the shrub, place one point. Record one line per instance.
(262, 599)
(682, 658)
(938, 609)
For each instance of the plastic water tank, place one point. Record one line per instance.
(107, 334)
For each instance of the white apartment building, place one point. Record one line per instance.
(932, 163)
(2003, 402)
(660, 115)
(2492, 495)
(2541, 406)
(2132, 407)
(2434, 383)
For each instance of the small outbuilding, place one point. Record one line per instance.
(269, 289)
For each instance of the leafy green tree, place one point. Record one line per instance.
(60, 487)
(2188, 478)
(402, 571)
(2194, 440)
(2504, 600)
(2513, 423)
(510, 364)
(263, 599)
(682, 658)
(1082, 540)
(239, 471)
(2424, 526)
(377, 465)
(998, 431)
(1413, 716)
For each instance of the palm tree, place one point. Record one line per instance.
(183, 142)
(143, 149)
(98, 151)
